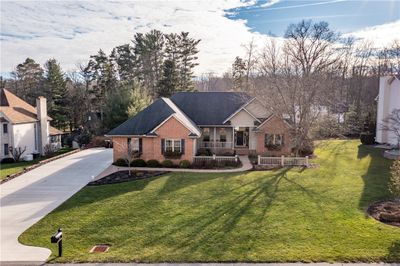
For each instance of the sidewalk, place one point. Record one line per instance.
(246, 165)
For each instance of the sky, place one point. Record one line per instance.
(71, 31)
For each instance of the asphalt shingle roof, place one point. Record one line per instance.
(144, 121)
(201, 108)
(209, 108)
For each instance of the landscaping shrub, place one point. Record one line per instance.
(172, 154)
(120, 162)
(307, 149)
(198, 164)
(167, 163)
(210, 164)
(49, 150)
(367, 138)
(138, 163)
(153, 163)
(204, 152)
(8, 160)
(394, 181)
(184, 164)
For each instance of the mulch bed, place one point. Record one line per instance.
(123, 176)
(387, 212)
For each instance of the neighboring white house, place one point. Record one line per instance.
(388, 100)
(23, 125)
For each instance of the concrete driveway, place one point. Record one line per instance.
(29, 197)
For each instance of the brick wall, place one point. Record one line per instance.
(274, 126)
(151, 146)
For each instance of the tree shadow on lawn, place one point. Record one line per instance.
(394, 252)
(217, 225)
(97, 194)
(376, 178)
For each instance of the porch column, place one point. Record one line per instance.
(233, 137)
(215, 138)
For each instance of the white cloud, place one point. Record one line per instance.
(380, 35)
(71, 31)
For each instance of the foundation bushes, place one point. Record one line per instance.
(168, 164)
(138, 163)
(153, 163)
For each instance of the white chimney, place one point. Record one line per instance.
(43, 127)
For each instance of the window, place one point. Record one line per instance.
(133, 144)
(273, 140)
(6, 151)
(5, 128)
(206, 134)
(222, 135)
(173, 145)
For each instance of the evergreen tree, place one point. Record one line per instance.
(168, 85)
(138, 100)
(124, 58)
(28, 76)
(56, 93)
(188, 51)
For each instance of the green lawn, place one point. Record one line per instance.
(271, 216)
(13, 168)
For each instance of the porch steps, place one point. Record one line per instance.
(244, 151)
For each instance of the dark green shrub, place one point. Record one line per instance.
(172, 154)
(210, 164)
(120, 162)
(204, 152)
(8, 160)
(307, 149)
(167, 163)
(367, 138)
(138, 163)
(184, 164)
(153, 163)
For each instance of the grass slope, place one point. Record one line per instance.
(271, 216)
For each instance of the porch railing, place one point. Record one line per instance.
(284, 161)
(216, 144)
(215, 158)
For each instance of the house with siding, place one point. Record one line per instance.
(24, 126)
(191, 122)
(388, 100)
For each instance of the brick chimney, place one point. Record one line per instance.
(43, 128)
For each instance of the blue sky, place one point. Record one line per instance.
(70, 31)
(342, 15)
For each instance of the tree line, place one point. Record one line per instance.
(110, 88)
(324, 84)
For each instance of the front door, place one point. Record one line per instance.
(240, 138)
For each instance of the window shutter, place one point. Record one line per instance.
(140, 145)
(265, 140)
(283, 140)
(183, 146)
(162, 146)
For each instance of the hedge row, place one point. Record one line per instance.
(153, 163)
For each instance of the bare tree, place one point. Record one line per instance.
(17, 152)
(129, 153)
(391, 123)
(296, 75)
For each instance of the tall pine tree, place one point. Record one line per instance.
(56, 93)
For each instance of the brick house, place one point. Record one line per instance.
(179, 127)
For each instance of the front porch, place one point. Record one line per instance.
(221, 140)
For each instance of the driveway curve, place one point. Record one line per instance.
(29, 197)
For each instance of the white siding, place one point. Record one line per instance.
(389, 99)
(242, 119)
(24, 136)
(257, 109)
